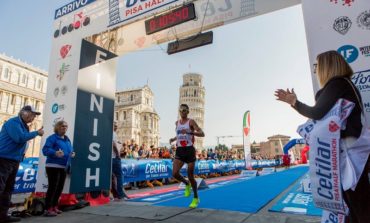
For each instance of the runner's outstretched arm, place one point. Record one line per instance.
(197, 131)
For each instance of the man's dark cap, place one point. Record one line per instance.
(30, 108)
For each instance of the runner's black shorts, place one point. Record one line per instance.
(186, 154)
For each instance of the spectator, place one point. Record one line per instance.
(150, 151)
(135, 153)
(123, 152)
(154, 154)
(129, 154)
(286, 160)
(166, 154)
(204, 155)
(13, 142)
(58, 151)
(212, 155)
(117, 175)
(131, 144)
(334, 75)
(160, 153)
(141, 150)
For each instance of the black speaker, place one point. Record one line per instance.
(190, 43)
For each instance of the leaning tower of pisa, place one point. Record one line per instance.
(192, 93)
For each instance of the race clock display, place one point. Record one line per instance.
(170, 19)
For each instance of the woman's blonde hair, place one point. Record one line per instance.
(58, 125)
(331, 64)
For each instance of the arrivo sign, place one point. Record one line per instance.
(173, 18)
(70, 7)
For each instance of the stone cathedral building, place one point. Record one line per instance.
(192, 93)
(136, 116)
(22, 84)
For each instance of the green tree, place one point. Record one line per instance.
(222, 147)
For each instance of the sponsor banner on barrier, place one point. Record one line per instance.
(139, 170)
(134, 170)
(25, 181)
(267, 170)
(248, 173)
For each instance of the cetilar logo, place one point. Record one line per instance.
(349, 52)
(203, 166)
(70, 7)
(27, 174)
(156, 167)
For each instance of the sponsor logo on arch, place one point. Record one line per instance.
(343, 2)
(349, 52)
(64, 51)
(57, 107)
(60, 91)
(342, 25)
(79, 21)
(64, 68)
(363, 20)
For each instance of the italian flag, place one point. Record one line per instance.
(246, 140)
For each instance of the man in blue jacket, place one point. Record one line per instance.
(14, 136)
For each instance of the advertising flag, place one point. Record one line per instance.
(246, 139)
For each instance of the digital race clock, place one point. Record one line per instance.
(170, 19)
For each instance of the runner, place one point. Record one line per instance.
(186, 129)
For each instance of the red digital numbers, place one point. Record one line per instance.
(170, 19)
(153, 24)
(163, 21)
(185, 13)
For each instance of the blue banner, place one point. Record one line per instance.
(26, 177)
(142, 170)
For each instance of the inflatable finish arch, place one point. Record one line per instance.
(89, 35)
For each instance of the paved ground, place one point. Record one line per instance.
(134, 212)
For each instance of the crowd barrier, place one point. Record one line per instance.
(141, 170)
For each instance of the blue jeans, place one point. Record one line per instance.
(117, 188)
(8, 172)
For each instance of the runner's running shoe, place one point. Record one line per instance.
(194, 203)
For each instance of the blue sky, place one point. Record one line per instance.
(247, 61)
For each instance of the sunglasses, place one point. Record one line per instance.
(183, 110)
(315, 68)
